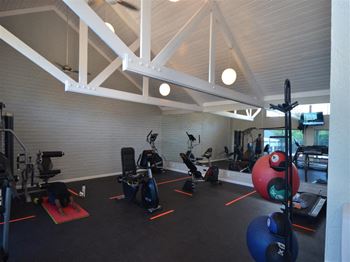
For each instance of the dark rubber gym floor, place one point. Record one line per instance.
(313, 175)
(201, 228)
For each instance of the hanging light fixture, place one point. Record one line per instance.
(164, 89)
(229, 76)
(105, 13)
(110, 27)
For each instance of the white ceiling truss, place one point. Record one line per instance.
(147, 68)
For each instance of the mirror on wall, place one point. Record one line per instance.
(237, 143)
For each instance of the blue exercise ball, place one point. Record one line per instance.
(265, 246)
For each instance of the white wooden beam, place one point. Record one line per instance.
(145, 86)
(134, 26)
(256, 112)
(24, 11)
(127, 96)
(110, 69)
(136, 65)
(145, 40)
(83, 52)
(32, 55)
(234, 115)
(224, 105)
(170, 48)
(83, 10)
(175, 111)
(145, 30)
(236, 52)
(212, 49)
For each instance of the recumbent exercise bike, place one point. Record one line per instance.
(212, 174)
(133, 178)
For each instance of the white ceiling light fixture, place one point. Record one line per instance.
(229, 76)
(110, 27)
(164, 89)
(174, 1)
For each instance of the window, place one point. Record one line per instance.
(309, 108)
(274, 113)
(324, 108)
(275, 138)
(321, 137)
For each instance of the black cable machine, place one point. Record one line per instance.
(7, 182)
(25, 166)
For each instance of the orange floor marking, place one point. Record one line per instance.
(162, 214)
(19, 219)
(239, 198)
(182, 192)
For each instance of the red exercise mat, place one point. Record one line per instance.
(70, 213)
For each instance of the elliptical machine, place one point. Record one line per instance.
(191, 143)
(132, 179)
(156, 160)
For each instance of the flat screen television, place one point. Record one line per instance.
(312, 119)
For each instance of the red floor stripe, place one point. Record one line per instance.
(239, 198)
(182, 192)
(161, 214)
(158, 184)
(19, 219)
(117, 197)
(73, 192)
(305, 228)
(170, 181)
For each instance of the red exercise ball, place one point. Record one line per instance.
(269, 183)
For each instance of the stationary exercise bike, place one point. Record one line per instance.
(156, 160)
(211, 175)
(191, 143)
(133, 178)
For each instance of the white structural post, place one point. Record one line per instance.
(83, 53)
(339, 143)
(212, 47)
(145, 40)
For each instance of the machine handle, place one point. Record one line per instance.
(52, 154)
(147, 139)
(199, 139)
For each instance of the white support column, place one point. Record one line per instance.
(170, 48)
(212, 48)
(145, 86)
(338, 187)
(145, 40)
(83, 10)
(256, 112)
(236, 51)
(34, 56)
(145, 30)
(113, 66)
(83, 52)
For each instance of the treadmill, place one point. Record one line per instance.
(308, 204)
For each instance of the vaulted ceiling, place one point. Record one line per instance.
(278, 39)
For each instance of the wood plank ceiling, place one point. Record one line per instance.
(279, 39)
